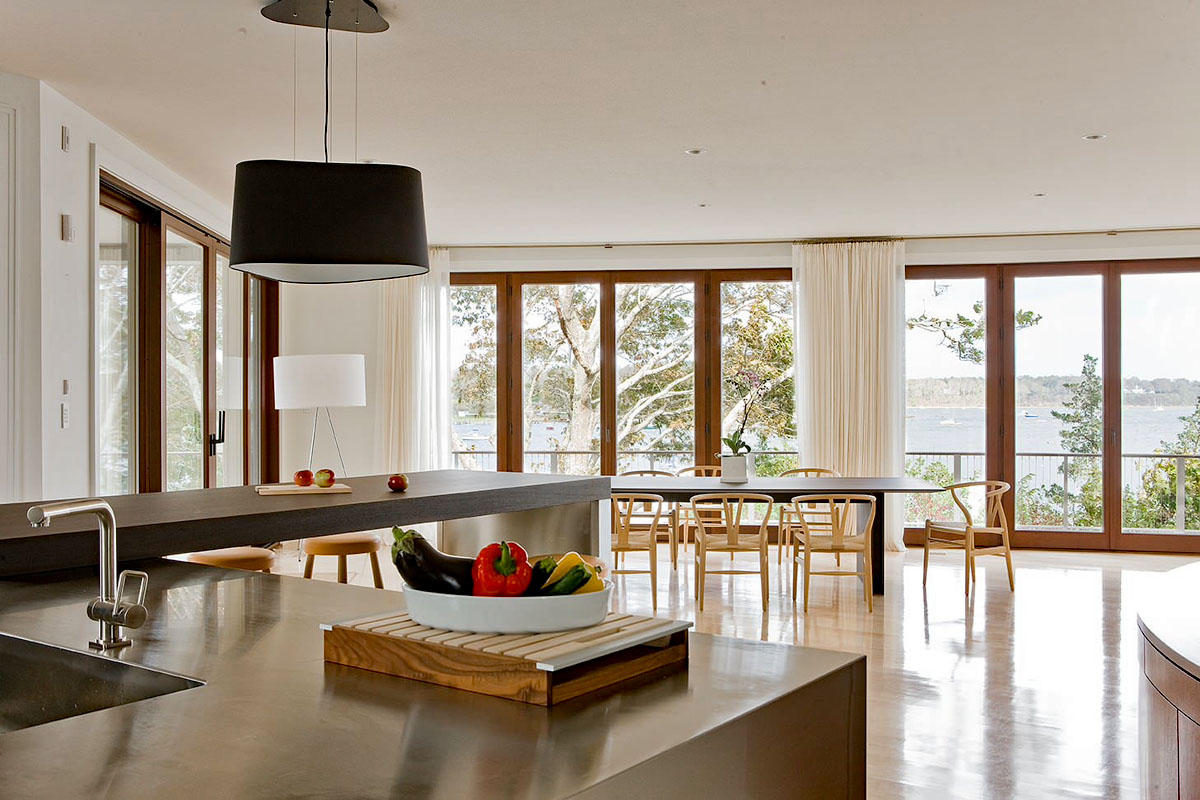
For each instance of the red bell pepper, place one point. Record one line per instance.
(502, 569)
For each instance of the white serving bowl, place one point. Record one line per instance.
(459, 612)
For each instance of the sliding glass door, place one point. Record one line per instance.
(560, 377)
(947, 393)
(655, 334)
(1160, 406)
(231, 455)
(756, 371)
(172, 380)
(116, 373)
(1057, 324)
(1091, 391)
(185, 352)
(474, 372)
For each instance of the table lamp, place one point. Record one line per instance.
(321, 382)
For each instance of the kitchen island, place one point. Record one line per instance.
(748, 719)
(1169, 690)
(548, 513)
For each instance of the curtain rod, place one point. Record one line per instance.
(828, 240)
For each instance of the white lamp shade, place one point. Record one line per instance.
(333, 381)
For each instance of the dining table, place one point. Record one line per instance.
(681, 489)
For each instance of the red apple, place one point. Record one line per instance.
(324, 478)
(303, 477)
(398, 482)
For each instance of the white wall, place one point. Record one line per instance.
(1058, 247)
(70, 185)
(52, 307)
(20, 305)
(336, 318)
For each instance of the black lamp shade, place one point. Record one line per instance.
(312, 222)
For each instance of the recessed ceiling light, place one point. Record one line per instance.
(1091, 137)
(696, 151)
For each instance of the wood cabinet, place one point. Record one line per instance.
(1168, 707)
(1189, 757)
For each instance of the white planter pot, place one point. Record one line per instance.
(735, 469)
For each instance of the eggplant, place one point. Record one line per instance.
(542, 569)
(425, 568)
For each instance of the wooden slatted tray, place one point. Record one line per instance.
(276, 489)
(540, 668)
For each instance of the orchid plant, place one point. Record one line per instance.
(753, 389)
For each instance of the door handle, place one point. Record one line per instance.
(219, 437)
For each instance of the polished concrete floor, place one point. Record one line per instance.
(1025, 695)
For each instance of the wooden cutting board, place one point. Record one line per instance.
(539, 668)
(270, 490)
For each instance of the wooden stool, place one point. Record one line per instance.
(254, 559)
(342, 545)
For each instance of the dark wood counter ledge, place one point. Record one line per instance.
(161, 524)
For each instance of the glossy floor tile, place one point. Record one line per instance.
(1025, 695)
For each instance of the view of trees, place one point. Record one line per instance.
(113, 394)
(560, 348)
(1152, 504)
(656, 389)
(656, 373)
(654, 329)
(474, 382)
(1149, 503)
(184, 346)
(962, 334)
(1082, 434)
(757, 357)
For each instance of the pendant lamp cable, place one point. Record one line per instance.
(328, 14)
(294, 88)
(356, 87)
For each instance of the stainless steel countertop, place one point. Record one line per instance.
(274, 720)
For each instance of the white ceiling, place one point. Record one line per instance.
(566, 121)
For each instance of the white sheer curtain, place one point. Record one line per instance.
(849, 335)
(414, 372)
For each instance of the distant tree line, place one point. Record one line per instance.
(1046, 391)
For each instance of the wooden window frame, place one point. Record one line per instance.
(707, 349)
(154, 220)
(504, 375)
(1001, 397)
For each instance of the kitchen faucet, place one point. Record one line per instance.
(108, 609)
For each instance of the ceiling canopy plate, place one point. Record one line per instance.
(356, 16)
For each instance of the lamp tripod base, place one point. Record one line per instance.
(312, 445)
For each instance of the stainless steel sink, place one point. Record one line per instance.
(41, 683)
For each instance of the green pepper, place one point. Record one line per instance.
(567, 584)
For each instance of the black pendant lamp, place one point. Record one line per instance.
(322, 222)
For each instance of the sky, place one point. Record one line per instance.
(1160, 314)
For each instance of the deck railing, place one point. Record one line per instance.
(1046, 468)
(1058, 469)
(559, 461)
